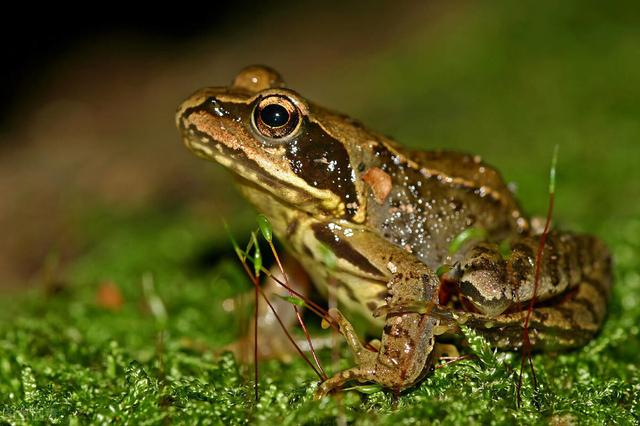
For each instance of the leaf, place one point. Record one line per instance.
(480, 346)
(442, 269)
(505, 249)
(472, 233)
(293, 300)
(265, 227)
(328, 256)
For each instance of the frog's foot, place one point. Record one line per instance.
(362, 356)
(338, 380)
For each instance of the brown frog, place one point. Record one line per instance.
(390, 217)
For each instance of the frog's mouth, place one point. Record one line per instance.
(262, 194)
(251, 176)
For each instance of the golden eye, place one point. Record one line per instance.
(276, 117)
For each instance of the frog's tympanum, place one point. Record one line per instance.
(390, 216)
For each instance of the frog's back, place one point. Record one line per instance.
(438, 194)
(465, 168)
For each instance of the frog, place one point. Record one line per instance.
(390, 215)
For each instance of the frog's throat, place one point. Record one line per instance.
(271, 201)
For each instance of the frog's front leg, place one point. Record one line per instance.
(364, 358)
(408, 337)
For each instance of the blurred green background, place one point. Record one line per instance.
(99, 196)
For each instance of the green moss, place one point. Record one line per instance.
(511, 81)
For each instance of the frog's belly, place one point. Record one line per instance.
(355, 293)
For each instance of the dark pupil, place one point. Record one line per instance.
(274, 115)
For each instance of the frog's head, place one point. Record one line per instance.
(280, 146)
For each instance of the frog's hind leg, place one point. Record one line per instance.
(570, 323)
(495, 283)
(571, 299)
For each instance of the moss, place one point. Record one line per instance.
(66, 358)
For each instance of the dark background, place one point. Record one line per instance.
(35, 38)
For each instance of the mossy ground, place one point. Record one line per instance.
(66, 358)
(510, 82)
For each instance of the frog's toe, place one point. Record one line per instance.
(338, 380)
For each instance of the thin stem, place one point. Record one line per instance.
(254, 281)
(314, 307)
(298, 316)
(255, 342)
(526, 344)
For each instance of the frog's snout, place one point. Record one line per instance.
(204, 99)
(186, 123)
(182, 116)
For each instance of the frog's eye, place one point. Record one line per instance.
(276, 117)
